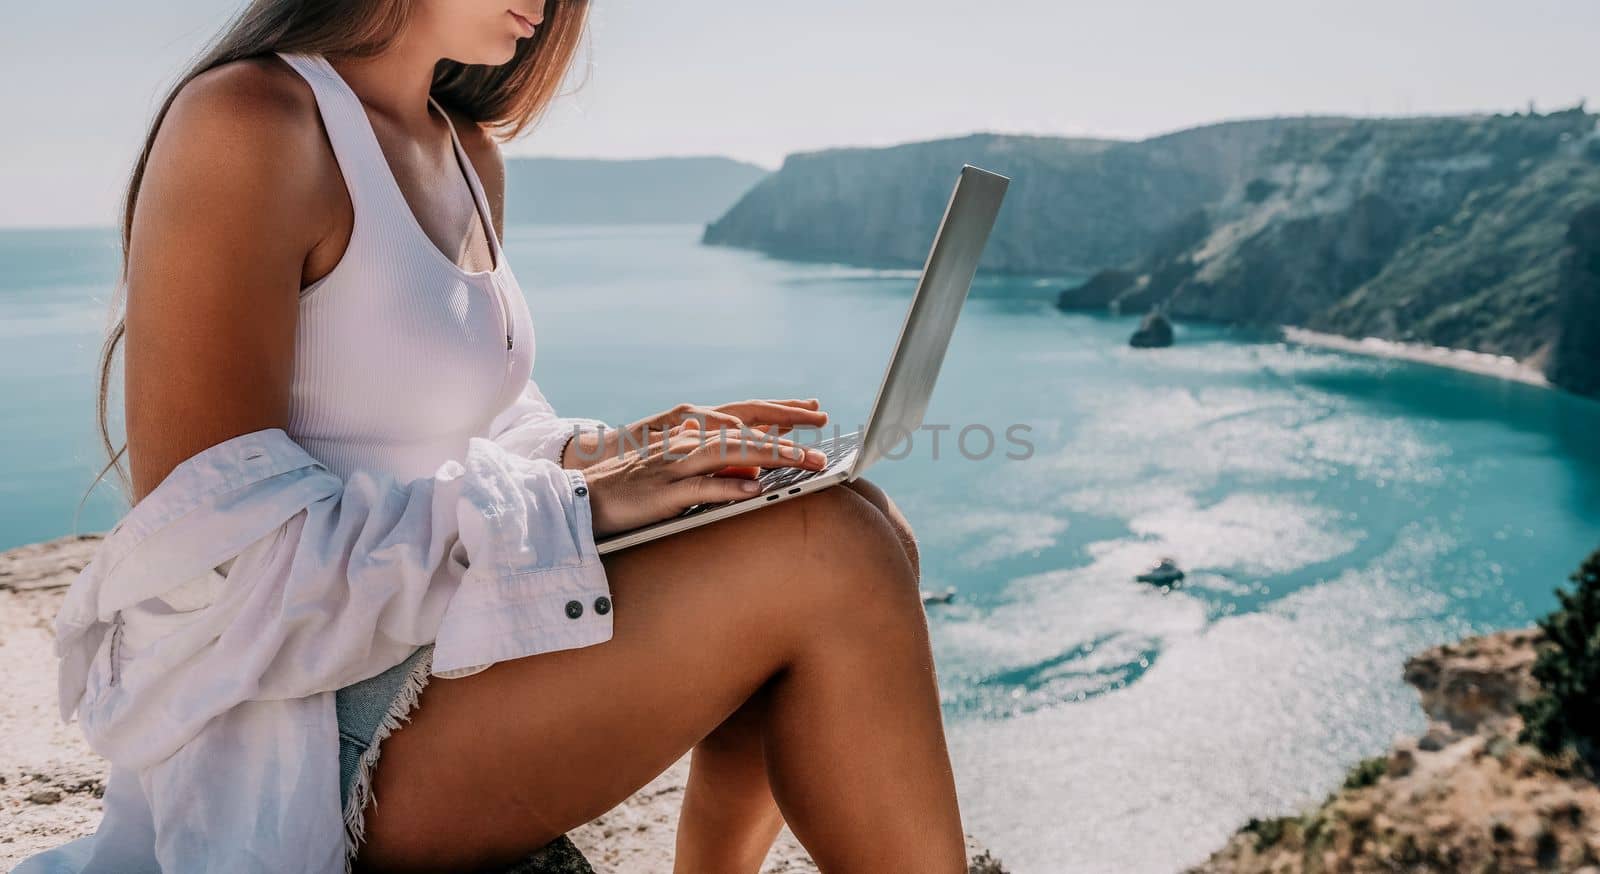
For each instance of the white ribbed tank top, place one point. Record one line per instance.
(401, 356)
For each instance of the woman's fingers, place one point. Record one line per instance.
(772, 419)
(676, 417)
(739, 471)
(762, 434)
(654, 432)
(782, 414)
(759, 432)
(707, 454)
(809, 403)
(777, 412)
(710, 490)
(690, 456)
(712, 420)
(750, 471)
(723, 423)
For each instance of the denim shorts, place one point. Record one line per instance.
(368, 712)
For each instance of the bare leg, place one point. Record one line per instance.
(812, 602)
(729, 817)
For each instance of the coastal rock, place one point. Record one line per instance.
(1099, 292)
(1477, 683)
(1464, 797)
(1155, 331)
(51, 782)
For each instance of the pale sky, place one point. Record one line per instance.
(758, 79)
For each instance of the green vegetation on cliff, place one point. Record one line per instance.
(1564, 716)
(1467, 232)
(1459, 232)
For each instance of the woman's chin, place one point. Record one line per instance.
(501, 55)
(501, 52)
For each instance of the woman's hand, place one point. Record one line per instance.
(639, 487)
(777, 417)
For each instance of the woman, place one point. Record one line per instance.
(312, 243)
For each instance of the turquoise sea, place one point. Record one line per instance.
(1337, 513)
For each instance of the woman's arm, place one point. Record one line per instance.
(235, 198)
(236, 203)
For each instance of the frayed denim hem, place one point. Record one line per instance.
(405, 701)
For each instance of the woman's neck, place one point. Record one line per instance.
(395, 82)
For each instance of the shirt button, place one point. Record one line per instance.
(602, 605)
(580, 491)
(574, 609)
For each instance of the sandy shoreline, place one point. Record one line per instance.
(1482, 363)
(51, 782)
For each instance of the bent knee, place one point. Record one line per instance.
(840, 520)
(891, 512)
(851, 550)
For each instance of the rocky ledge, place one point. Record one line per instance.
(51, 782)
(1465, 796)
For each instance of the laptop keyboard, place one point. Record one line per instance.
(840, 451)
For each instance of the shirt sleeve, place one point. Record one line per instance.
(529, 427)
(493, 557)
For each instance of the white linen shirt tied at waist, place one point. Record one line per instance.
(211, 692)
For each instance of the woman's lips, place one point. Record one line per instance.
(523, 23)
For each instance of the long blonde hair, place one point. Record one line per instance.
(507, 99)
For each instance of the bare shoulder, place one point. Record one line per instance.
(261, 90)
(251, 125)
(255, 101)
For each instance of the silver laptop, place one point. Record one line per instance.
(903, 396)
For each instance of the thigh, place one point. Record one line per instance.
(498, 763)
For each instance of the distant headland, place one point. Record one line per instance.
(1473, 232)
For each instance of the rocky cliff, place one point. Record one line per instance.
(1074, 204)
(1466, 796)
(1458, 232)
(1575, 362)
(1461, 232)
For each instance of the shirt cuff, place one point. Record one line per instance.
(549, 612)
(534, 582)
